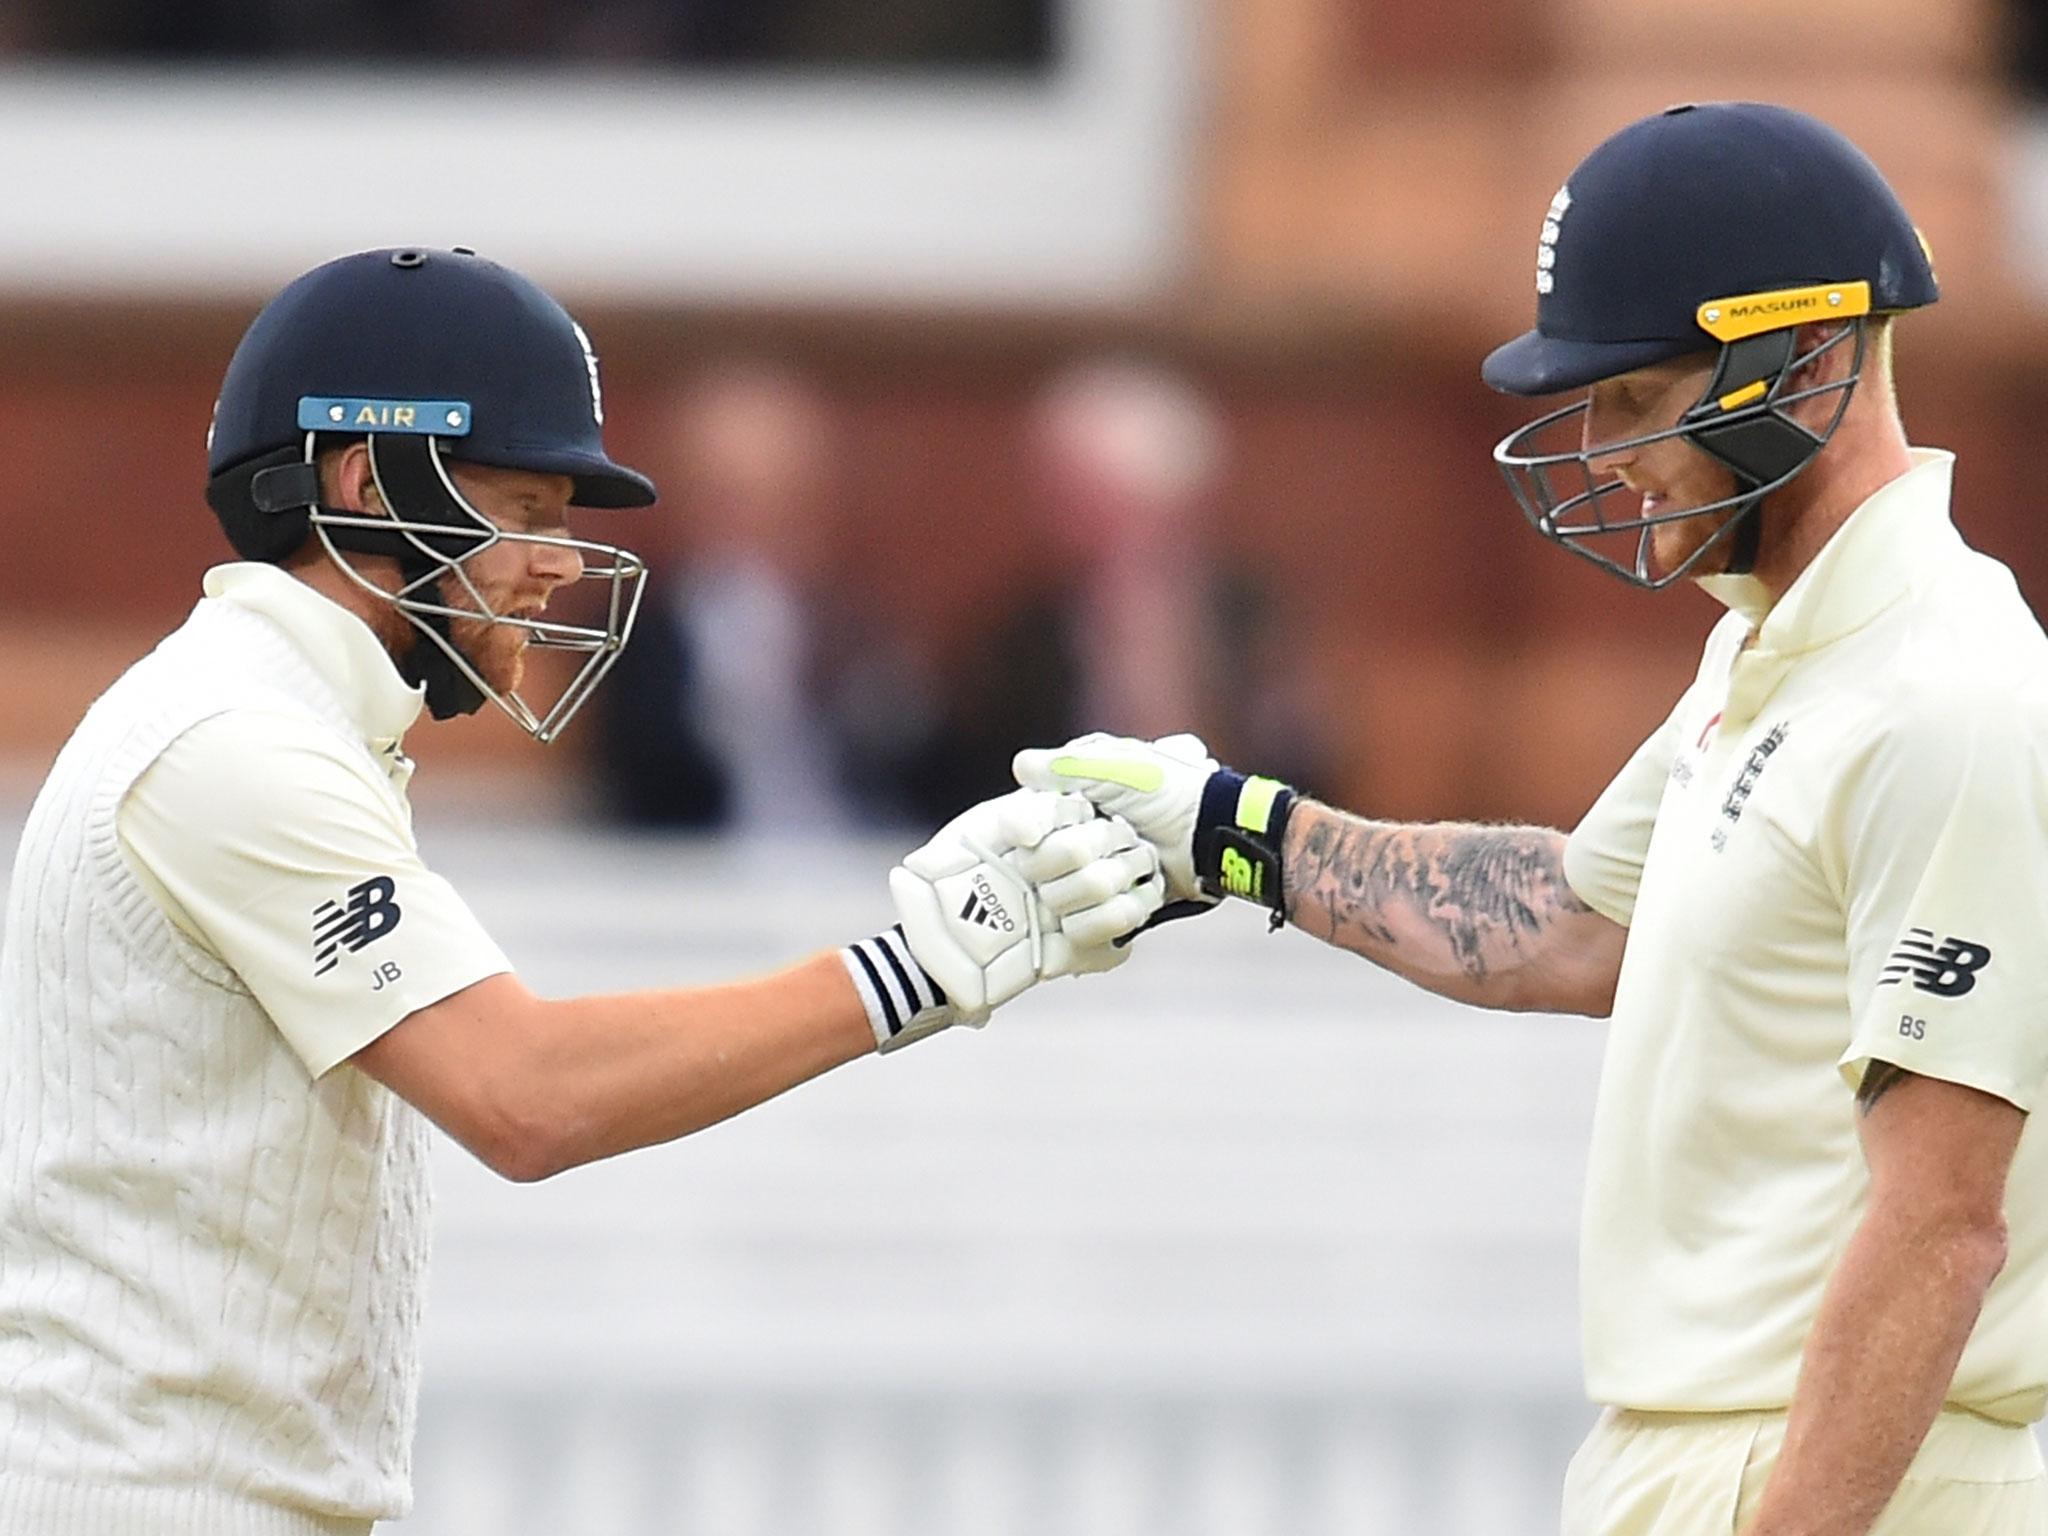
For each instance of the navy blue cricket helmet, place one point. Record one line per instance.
(430, 358)
(1719, 225)
(415, 325)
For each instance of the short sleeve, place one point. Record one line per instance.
(1944, 841)
(1603, 858)
(273, 849)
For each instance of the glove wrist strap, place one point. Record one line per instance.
(904, 1004)
(1239, 833)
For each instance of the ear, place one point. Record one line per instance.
(346, 481)
(1833, 364)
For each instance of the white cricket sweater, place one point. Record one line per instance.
(210, 1264)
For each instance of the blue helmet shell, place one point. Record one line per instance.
(1703, 202)
(422, 325)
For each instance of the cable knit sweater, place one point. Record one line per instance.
(210, 1264)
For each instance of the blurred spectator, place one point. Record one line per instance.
(2029, 51)
(1138, 627)
(2027, 151)
(1127, 456)
(713, 714)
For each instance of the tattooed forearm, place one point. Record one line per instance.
(1877, 1078)
(1427, 900)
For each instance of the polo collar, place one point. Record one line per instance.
(1870, 563)
(340, 647)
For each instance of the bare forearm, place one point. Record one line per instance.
(533, 1087)
(1892, 1326)
(1480, 914)
(638, 1068)
(1900, 1305)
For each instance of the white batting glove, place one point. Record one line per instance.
(1154, 785)
(1017, 890)
(1218, 832)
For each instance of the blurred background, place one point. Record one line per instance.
(1010, 368)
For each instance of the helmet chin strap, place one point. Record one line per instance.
(426, 665)
(1747, 540)
(1766, 447)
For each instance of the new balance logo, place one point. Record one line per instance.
(363, 916)
(1947, 969)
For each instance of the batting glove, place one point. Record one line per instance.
(1219, 833)
(1017, 890)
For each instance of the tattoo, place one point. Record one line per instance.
(1482, 890)
(1878, 1077)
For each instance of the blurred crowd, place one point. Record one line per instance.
(895, 34)
(760, 693)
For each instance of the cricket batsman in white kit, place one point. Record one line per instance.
(232, 995)
(1814, 903)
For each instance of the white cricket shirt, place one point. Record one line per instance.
(1834, 851)
(287, 852)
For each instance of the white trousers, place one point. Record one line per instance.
(1701, 1474)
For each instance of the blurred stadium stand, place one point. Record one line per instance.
(1322, 211)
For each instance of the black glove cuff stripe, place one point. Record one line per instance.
(891, 1019)
(895, 949)
(903, 1002)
